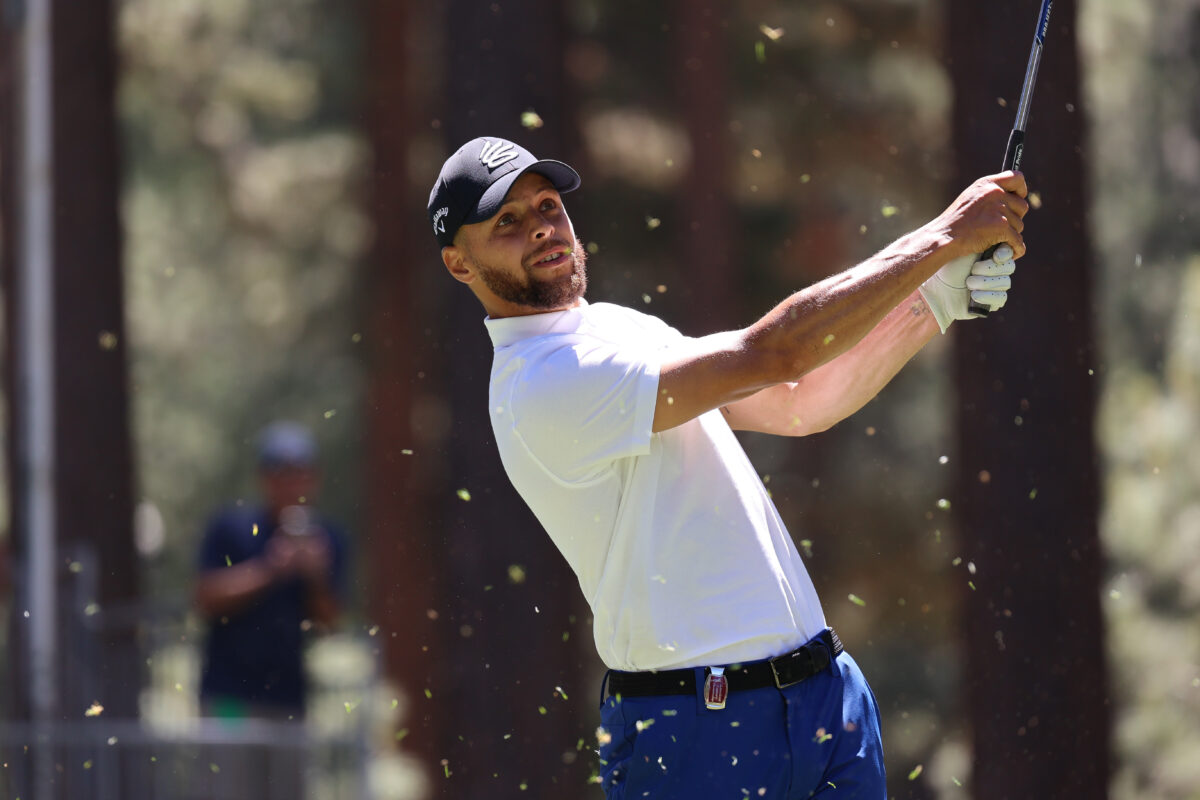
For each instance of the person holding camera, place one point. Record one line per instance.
(268, 574)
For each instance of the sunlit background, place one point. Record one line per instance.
(271, 258)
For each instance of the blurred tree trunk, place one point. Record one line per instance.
(93, 461)
(701, 72)
(1028, 489)
(507, 650)
(402, 527)
(491, 645)
(88, 467)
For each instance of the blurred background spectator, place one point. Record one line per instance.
(269, 573)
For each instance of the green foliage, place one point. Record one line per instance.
(1151, 527)
(1142, 79)
(245, 231)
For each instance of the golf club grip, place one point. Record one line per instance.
(1012, 160)
(1015, 150)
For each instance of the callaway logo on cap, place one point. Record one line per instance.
(476, 179)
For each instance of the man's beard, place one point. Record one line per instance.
(544, 295)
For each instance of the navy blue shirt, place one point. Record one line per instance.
(256, 654)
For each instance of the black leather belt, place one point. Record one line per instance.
(780, 672)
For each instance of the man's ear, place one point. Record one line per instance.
(456, 262)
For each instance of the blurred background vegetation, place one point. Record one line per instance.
(246, 206)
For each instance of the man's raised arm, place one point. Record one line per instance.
(817, 324)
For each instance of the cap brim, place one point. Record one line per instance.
(561, 175)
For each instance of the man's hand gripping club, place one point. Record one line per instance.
(969, 279)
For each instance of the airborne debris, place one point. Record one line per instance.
(774, 34)
(94, 710)
(531, 120)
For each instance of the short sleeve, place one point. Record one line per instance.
(581, 406)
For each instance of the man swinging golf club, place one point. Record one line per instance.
(724, 678)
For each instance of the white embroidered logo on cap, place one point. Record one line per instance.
(496, 153)
(439, 219)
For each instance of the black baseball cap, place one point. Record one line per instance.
(476, 179)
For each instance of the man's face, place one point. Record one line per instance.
(525, 259)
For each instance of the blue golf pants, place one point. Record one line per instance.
(817, 738)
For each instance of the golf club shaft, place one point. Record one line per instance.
(1016, 140)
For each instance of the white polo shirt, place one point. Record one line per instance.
(680, 552)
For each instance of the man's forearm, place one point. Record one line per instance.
(825, 321)
(837, 389)
(850, 381)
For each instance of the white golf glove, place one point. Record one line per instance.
(952, 288)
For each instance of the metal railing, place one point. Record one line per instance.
(208, 759)
(171, 752)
